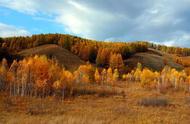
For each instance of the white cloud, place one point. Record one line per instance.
(9, 30)
(83, 20)
(25, 6)
(127, 20)
(179, 39)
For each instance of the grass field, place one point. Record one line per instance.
(138, 105)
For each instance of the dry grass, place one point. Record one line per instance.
(93, 109)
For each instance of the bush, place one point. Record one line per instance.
(155, 102)
(101, 91)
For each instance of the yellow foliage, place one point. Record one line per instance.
(116, 61)
(124, 76)
(81, 77)
(57, 85)
(137, 74)
(115, 75)
(103, 76)
(41, 84)
(147, 78)
(85, 79)
(109, 76)
(86, 70)
(97, 76)
(67, 78)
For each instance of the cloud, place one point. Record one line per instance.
(160, 21)
(83, 20)
(9, 30)
(179, 39)
(28, 7)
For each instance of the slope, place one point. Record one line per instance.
(63, 56)
(153, 59)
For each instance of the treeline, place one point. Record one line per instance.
(87, 50)
(172, 50)
(79, 46)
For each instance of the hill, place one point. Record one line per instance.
(152, 59)
(63, 56)
(72, 51)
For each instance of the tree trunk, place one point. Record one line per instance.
(14, 89)
(10, 88)
(18, 89)
(22, 91)
(63, 93)
(35, 94)
(175, 83)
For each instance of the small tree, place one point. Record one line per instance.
(103, 57)
(13, 77)
(139, 66)
(103, 76)
(59, 88)
(109, 76)
(84, 74)
(97, 77)
(67, 80)
(148, 78)
(188, 80)
(3, 74)
(137, 72)
(115, 75)
(116, 61)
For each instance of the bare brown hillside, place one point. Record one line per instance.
(153, 59)
(64, 57)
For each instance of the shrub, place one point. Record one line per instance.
(155, 102)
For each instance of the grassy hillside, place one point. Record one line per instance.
(63, 56)
(152, 59)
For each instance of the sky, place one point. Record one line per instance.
(160, 21)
